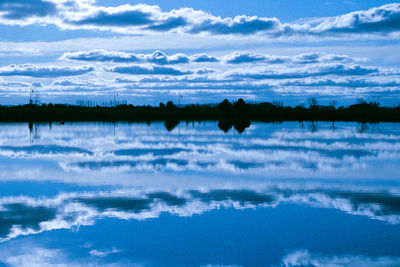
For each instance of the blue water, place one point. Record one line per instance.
(289, 194)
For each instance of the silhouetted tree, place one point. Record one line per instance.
(225, 106)
(312, 102)
(333, 104)
(171, 106)
(240, 106)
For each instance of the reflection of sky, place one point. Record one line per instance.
(125, 194)
(288, 150)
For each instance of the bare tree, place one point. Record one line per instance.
(312, 102)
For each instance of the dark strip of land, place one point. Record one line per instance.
(224, 111)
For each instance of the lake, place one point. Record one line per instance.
(200, 194)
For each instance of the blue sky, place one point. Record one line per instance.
(199, 51)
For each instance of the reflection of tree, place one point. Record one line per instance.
(225, 125)
(333, 127)
(171, 124)
(313, 127)
(362, 127)
(239, 125)
(33, 131)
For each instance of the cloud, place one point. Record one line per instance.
(150, 70)
(25, 215)
(160, 58)
(238, 57)
(244, 57)
(140, 18)
(103, 253)
(383, 19)
(244, 25)
(347, 82)
(101, 55)
(313, 58)
(202, 58)
(35, 150)
(16, 10)
(338, 69)
(43, 71)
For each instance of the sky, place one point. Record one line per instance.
(186, 51)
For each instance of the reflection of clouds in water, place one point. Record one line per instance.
(28, 254)
(26, 215)
(276, 148)
(49, 150)
(305, 258)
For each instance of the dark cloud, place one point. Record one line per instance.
(311, 71)
(120, 19)
(238, 57)
(242, 196)
(23, 216)
(169, 24)
(160, 163)
(18, 10)
(342, 83)
(100, 55)
(153, 151)
(140, 70)
(244, 57)
(201, 58)
(43, 71)
(239, 25)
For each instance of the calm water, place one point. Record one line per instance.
(287, 194)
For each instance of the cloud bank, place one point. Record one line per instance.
(132, 19)
(238, 57)
(43, 71)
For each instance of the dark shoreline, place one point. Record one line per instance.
(225, 111)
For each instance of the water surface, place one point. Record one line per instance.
(191, 194)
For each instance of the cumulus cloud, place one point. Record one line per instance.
(346, 82)
(244, 57)
(238, 57)
(101, 55)
(43, 71)
(149, 70)
(202, 58)
(145, 18)
(306, 58)
(338, 69)
(385, 18)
